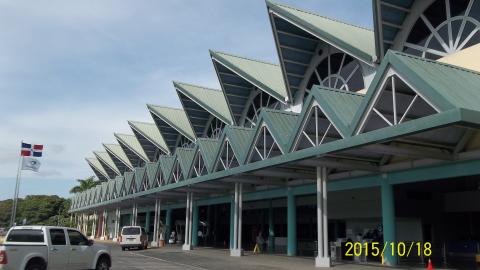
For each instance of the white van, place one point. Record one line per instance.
(133, 237)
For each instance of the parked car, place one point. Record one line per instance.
(133, 237)
(51, 248)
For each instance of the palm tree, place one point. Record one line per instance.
(85, 184)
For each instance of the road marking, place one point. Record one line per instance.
(175, 263)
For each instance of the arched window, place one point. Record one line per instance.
(260, 99)
(339, 71)
(214, 129)
(445, 27)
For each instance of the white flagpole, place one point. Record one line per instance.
(17, 188)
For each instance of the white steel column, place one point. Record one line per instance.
(156, 223)
(237, 251)
(94, 224)
(134, 214)
(188, 223)
(104, 225)
(322, 259)
(117, 224)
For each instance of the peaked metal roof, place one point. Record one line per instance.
(211, 100)
(149, 137)
(337, 105)
(107, 163)
(185, 156)
(209, 149)
(119, 186)
(118, 156)
(446, 86)
(239, 138)
(152, 172)
(239, 76)
(129, 179)
(279, 123)
(166, 165)
(98, 169)
(132, 148)
(354, 40)
(140, 176)
(172, 122)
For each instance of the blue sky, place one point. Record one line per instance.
(73, 72)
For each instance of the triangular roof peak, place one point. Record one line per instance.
(174, 117)
(107, 161)
(97, 168)
(354, 40)
(151, 133)
(117, 151)
(212, 100)
(265, 76)
(131, 142)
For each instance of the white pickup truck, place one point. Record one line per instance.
(51, 248)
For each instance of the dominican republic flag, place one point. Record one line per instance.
(34, 150)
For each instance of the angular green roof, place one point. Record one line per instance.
(446, 86)
(211, 100)
(152, 172)
(131, 142)
(139, 178)
(355, 40)
(111, 189)
(339, 106)
(185, 157)
(97, 168)
(176, 118)
(118, 156)
(107, 163)
(209, 149)
(280, 124)
(119, 187)
(239, 138)
(266, 76)
(166, 165)
(129, 178)
(150, 132)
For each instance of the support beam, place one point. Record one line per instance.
(116, 231)
(291, 224)
(232, 220)
(156, 223)
(407, 152)
(195, 225)
(168, 224)
(188, 222)
(339, 164)
(271, 229)
(322, 259)
(388, 220)
(237, 250)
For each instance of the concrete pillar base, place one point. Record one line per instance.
(102, 238)
(114, 239)
(236, 252)
(153, 244)
(187, 247)
(322, 262)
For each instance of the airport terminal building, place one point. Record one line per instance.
(355, 135)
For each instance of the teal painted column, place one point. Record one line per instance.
(388, 220)
(271, 226)
(291, 224)
(232, 215)
(168, 224)
(195, 225)
(147, 221)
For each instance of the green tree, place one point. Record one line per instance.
(37, 210)
(85, 184)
